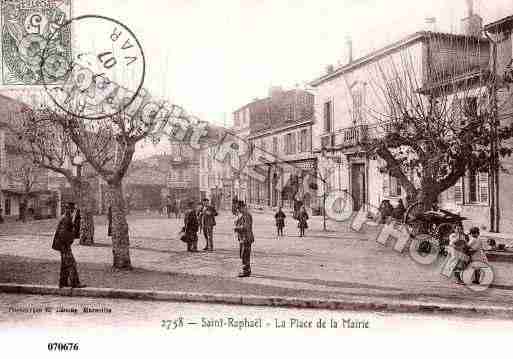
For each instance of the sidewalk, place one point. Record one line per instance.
(320, 270)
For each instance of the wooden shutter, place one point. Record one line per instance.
(386, 187)
(458, 191)
(483, 187)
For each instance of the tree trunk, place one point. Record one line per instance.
(120, 238)
(83, 195)
(428, 196)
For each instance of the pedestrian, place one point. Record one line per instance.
(76, 224)
(302, 219)
(208, 221)
(109, 221)
(244, 230)
(280, 221)
(398, 211)
(62, 241)
(169, 207)
(191, 226)
(456, 250)
(178, 204)
(385, 211)
(478, 258)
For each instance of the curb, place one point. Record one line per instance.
(255, 300)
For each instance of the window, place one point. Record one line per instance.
(472, 189)
(395, 187)
(391, 186)
(7, 207)
(290, 143)
(357, 95)
(328, 116)
(303, 141)
(275, 145)
(290, 112)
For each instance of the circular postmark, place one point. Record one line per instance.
(107, 71)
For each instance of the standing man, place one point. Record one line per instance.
(62, 241)
(244, 230)
(191, 228)
(208, 221)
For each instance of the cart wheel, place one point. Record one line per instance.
(425, 244)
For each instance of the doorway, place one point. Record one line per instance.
(358, 185)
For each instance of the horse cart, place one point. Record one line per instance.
(430, 228)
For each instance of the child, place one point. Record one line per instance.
(478, 256)
(457, 247)
(280, 221)
(302, 221)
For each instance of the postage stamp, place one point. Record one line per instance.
(28, 27)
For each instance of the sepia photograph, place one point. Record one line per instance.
(249, 178)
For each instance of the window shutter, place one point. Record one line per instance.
(483, 187)
(386, 188)
(458, 191)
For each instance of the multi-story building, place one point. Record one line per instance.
(280, 134)
(216, 177)
(184, 176)
(21, 182)
(348, 106)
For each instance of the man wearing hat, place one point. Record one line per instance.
(63, 239)
(244, 230)
(207, 222)
(191, 226)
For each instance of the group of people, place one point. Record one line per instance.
(173, 206)
(202, 219)
(471, 246)
(302, 221)
(387, 211)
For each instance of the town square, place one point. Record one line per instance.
(340, 157)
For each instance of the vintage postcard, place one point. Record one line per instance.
(256, 178)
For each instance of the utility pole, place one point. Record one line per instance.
(494, 156)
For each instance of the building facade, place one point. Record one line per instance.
(350, 107)
(282, 169)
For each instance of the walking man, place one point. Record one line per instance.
(244, 230)
(208, 221)
(62, 241)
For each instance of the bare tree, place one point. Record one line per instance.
(433, 115)
(109, 144)
(46, 144)
(27, 175)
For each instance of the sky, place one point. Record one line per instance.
(213, 56)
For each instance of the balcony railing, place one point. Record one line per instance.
(355, 135)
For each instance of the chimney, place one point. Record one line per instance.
(275, 90)
(329, 69)
(348, 58)
(430, 24)
(472, 24)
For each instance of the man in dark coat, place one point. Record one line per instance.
(244, 230)
(63, 239)
(207, 222)
(191, 226)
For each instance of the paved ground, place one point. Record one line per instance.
(337, 264)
